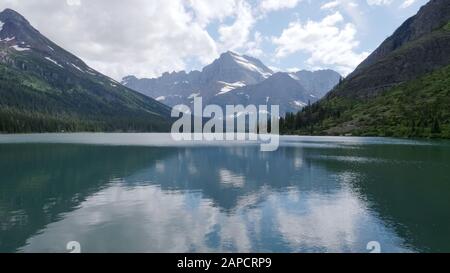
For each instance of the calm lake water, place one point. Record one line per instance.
(144, 193)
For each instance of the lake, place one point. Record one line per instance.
(145, 193)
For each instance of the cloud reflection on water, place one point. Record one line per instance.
(232, 200)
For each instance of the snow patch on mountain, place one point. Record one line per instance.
(247, 64)
(78, 68)
(53, 61)
(18, 48)
(1, 25)
(294, 76)
(8, 39)
(300, 103)
(229, 87)
(161, 98)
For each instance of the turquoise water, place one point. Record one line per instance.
(145, 193)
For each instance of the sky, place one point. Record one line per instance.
(147, 38)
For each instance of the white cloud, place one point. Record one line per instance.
(236, 35)
(330, 5)
(379, 2)
(293, 69)
(144, 38)
(329, 42)
(147, 38)
(407, 3)
(207, 11)
(273, 5)
(140, 37)
(348, 5)
(351, 9)
(73, 2)
(253, 48)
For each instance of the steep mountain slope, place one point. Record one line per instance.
(417, 47)
(45, 88)
(402, 89)
(234, 78)
(280, 89)
(318, 83)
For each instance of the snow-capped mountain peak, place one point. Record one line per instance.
(251, 64)
(236, 79)
(232, 67)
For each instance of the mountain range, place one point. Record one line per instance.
(402, 89)
(44, 88)
(238, 79)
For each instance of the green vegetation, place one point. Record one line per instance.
(447, 27)
(39, 97)
(420, 108)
